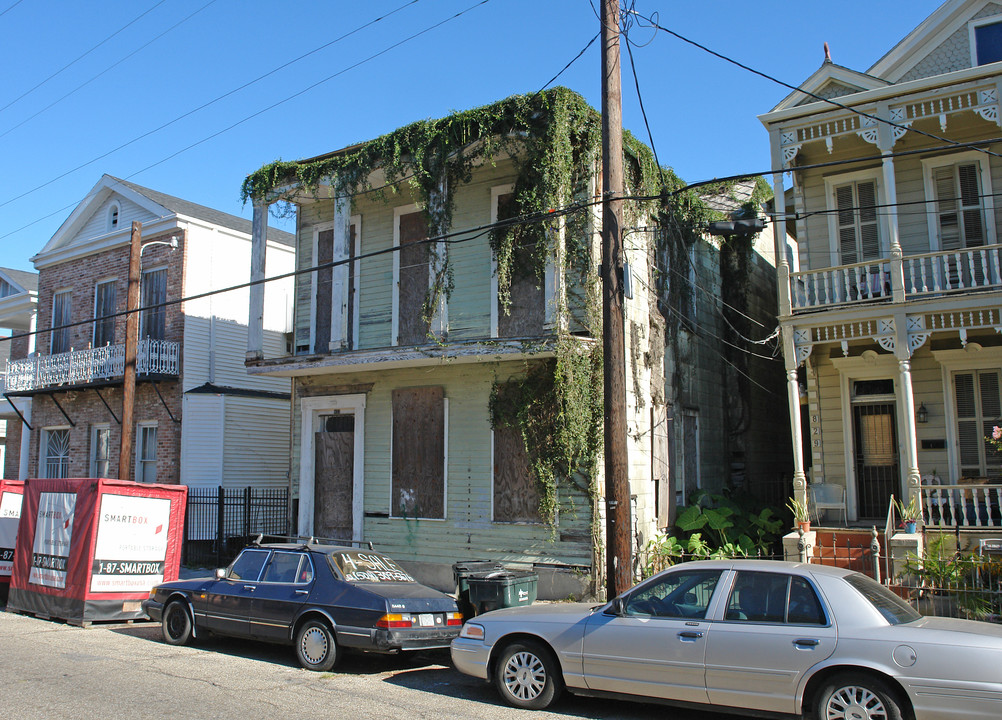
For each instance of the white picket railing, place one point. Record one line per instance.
(969, 269)
(80, 367)
(976, 505)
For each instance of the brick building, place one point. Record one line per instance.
(199, 418)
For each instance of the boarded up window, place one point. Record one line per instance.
(418, 453)
(516, 492)
(525, 313)
(324, 293)
(415, 274)
(322, 331)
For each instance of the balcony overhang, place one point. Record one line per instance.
(393, 358)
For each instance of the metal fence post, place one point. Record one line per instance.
(220, 523)
(247, 513)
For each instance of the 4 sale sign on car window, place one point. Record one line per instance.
(53, 536)
(131, 543)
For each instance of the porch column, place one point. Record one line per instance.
(779, 230)
(913, 478)
(255, 317)
(339, 273)
(885, 143)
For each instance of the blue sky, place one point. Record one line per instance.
(71, 97)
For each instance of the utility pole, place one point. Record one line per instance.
(131, 340)
(617, 486)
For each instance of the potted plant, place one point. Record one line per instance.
(800, 514)
(910, 513)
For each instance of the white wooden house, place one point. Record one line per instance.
(891, 296)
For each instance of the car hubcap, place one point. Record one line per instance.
(524, 676)
(855, 703)
(315, 645)
(175, 623)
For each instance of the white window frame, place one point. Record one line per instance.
(106, 281)
(114, 217)
(142, 462)
(68, 294)
(94, 469)
(973, 357)
(929, 165)
(972, 27)
(883, 231)
(43, 449)
(143, 310)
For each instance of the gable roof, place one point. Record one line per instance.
(949, 17)
(827, 76)
(159, 205)
(26, 281)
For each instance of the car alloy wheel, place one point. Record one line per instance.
(857, 697)
(315, 646)
(527, 676)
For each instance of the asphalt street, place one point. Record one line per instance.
(51, 670)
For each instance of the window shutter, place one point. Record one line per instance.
(946, 206)
(970, 199)
(869, 244)
(968, 436)
(846, 224)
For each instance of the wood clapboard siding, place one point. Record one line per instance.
(128, 211)
(256, 442)
(202, 440)
(467, 530)
(216, 355)
(832, 434)
(927, 385)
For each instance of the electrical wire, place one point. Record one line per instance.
(238, 89)
(18, 2)
(107, 69)
(794, 88)
(81, 57)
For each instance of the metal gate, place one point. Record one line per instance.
(876, 457)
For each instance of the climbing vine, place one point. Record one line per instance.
(554, 140)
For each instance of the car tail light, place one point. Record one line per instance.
(472, 631)
(454, 618)
(395, 620)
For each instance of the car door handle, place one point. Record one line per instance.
(249, 587)
(302, 592)
(690, 635)
(806, 642)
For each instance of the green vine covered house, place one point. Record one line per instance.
(446, 351)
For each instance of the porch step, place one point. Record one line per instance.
(848, 549)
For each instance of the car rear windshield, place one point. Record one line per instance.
(366, 566)
(894, 610)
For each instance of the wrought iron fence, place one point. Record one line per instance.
(219, 521)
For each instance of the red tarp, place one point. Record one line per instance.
(91, 549)
(10, 512)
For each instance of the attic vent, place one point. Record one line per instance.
(113, 218)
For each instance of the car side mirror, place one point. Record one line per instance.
(220, 573)
(617, 607)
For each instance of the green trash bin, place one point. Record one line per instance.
(502, 589)
(462, 571)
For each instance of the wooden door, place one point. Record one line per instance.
(334, 471)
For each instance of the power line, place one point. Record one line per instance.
(654, 24)
(231, 92)
(11, 8)
(81, 57)
(107, 69)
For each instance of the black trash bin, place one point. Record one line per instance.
(502, 589)
(462, 571)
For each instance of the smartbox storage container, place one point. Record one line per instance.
(91, 549)
(10, 514)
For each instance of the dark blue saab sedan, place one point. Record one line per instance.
(318, 597)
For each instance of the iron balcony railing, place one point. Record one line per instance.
(977, 268)
(80, 367)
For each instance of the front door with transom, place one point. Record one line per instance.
(334, 470)
(875, 447)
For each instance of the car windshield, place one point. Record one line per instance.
(363, 566)
(893, 609)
